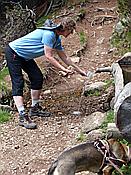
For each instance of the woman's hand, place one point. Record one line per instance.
(67, 71)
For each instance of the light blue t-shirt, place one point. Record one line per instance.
(31, 45)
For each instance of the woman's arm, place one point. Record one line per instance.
(69, 62)
(49, 55)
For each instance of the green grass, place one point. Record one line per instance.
(4, 116)
(92, 93)
(42, 20)
(109, 119)
(83, 38)
(84, 1)
(3, 74)
(126, 170)
(81, 137)
(109, 83)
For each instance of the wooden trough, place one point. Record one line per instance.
(121, 70)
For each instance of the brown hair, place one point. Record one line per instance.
(68, 23)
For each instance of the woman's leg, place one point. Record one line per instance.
(15, 63)
(36, 78)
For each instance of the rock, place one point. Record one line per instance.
(100, 40)
(76, 113)
(75, 59)
(113, 132)
(93, 121)
(93, 87)
(47, 92)
(95, 134)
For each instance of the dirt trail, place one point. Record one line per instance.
(24, 151)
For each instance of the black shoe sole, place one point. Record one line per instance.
(40, 115)
(28, 126)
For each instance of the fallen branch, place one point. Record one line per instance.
(63, 15)
(105, 10)
(49, 8)
(103, 18)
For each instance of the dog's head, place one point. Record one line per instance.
(121, 151)
(123, 154)
(127, 150)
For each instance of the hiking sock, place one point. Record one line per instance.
(21, 110)
(34, 102)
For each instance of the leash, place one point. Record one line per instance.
(103, 147)
(116, 167)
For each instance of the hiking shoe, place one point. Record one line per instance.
(25, 121)
(37, 110)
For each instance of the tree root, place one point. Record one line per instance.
(103, 18)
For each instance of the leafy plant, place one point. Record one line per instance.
(121, 37)
(82, 38)
(3, 74)
(125, 170)
(41, 20)
(92, 93)
(82, 11)
(109, 82)
(4, 116)
(123, 7)
(81, 137)
(84, 1)
(109, 119)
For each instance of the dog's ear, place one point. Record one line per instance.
(120, 150)
(127, 150)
